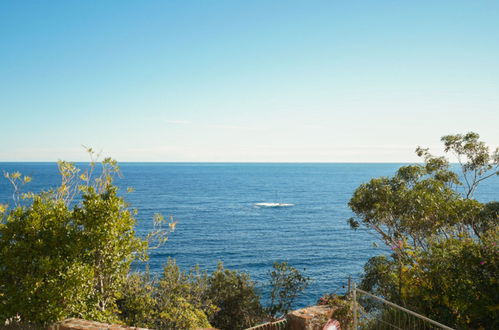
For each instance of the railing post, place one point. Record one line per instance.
(354, 297)
(349, 284)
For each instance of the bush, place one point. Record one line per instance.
(181, 300)
(286, 284)
(176, 300)
(456, 282)
(60, 257)
(445, 256)
(235, 295)
(67, 253)
(342, 308)
(185, 300)
(137, 301)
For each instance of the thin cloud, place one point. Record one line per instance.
(312, 126)
(177, 122)
(234, 127)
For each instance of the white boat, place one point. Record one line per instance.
(273, 204)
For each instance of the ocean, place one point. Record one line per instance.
(214, 204)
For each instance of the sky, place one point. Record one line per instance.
(245, 81)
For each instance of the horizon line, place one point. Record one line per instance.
(228, 162)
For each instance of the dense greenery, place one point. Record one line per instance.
(176, 300)
(286, 284)
(445, 259)
(61, 257)
(234, 293)
(67, 252)
(342, 306)
(225, 298)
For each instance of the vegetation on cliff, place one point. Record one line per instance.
(67, 252)
(445, 258)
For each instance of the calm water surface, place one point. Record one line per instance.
(214, 205)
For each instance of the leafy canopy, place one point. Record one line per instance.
(425, 201)
(445, 258)
(187, 300)
(66, 252)
(286, 284)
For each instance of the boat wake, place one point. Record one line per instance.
(273, 205)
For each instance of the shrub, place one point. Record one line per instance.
(181, 299)
(445, 257)
(286, 284)
(185, 300)
(235, 295)
(176, 300)
(66, 252)
(343, 308)
(136, 301)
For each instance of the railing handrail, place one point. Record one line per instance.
(268, 324)
(404, 309)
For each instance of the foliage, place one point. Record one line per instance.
(457, 281)
(235, 295)
(136, 300)
(40, 280)
(444, 254)
(194, 299)
(381, 277)
(181, 298)
(175, 301)
(343, 308)
(286, 284)
(425, 200)
(66, 252)
(477, 163)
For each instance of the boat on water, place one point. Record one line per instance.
(273, 204)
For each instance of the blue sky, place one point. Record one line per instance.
(307, 81)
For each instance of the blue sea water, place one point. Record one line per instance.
(214, 204)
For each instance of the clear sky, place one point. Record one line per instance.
(307, 81)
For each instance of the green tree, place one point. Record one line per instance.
(40, 279)
(176, 300)
(443, 242)
(136, 300)
(182, 300)
(286, 283)
(457, 282)
(186, 300)
(66, 252)
(235, 295)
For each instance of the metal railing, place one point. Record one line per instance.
(276, 325)
(373, 312)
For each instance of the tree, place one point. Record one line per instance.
(286, 284)
(441, 239)
(235, 295)
(136, 300)
(187, 300)
(66, 252)
(477, 163)
(176, 300)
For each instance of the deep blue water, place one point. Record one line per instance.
(217, 218)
